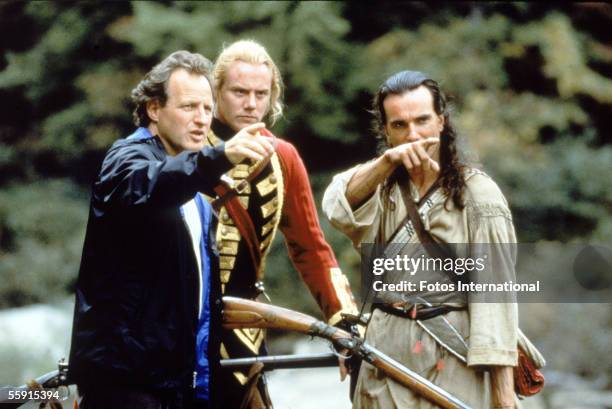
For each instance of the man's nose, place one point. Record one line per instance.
(251, 102)
(412, 132)
(201, 116)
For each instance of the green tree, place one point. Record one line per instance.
(519, 101)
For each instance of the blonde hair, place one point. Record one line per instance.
(251, 52)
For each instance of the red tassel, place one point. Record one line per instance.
(440, 364)
(413, 312)
(418, 346)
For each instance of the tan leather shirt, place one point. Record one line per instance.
(485, 218)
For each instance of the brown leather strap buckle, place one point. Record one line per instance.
(237, 187)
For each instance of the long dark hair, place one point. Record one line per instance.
(451, 168)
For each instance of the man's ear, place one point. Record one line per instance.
(153, 107)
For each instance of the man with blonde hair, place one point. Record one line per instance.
(250, 52)
(275, 194)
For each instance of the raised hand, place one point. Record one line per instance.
(415, 156)
(248, 144)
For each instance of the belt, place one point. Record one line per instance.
(417, 311)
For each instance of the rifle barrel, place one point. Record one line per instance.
(411, 379)
(284, 361)
(241, 313)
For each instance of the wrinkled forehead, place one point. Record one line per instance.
(410, 103)
(248, 75)
(183, 83)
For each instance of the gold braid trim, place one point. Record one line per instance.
(280, 195)
(240, 377)
(251, 338)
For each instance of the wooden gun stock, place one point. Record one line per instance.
(241, 313)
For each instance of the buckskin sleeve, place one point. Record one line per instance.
(359, 224)
(309, 251)
(493, 325)
(133, 175)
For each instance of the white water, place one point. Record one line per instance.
(32, 340)
(311, 388)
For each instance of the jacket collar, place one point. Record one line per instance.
(221, 130)
(142, 134)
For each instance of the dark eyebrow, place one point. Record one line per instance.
(424, 116)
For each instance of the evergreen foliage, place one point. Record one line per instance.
(532, 86)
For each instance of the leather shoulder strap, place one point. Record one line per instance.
(433, 248)
(244, 224)
(412, 211)
(227, 193)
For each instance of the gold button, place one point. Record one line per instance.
(272, 179)
(275, 201)
(224, 231)
(225, 217)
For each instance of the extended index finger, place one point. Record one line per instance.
(254, 128)
(427, 142)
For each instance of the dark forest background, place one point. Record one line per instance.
(532, 87)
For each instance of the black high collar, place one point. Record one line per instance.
(222, 131)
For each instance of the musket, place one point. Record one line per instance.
(241, 313)
(53, 379)
(272, 362)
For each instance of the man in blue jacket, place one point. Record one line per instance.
(145, 274)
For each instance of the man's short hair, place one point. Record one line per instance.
(154, 85)
(251, 52)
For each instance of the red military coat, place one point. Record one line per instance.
(280, 197)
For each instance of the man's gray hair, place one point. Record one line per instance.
(154, 85)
